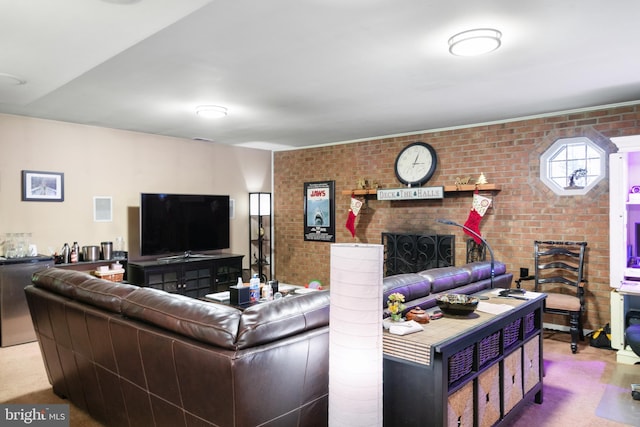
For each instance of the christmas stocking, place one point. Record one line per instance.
(478, 209)
(353, 213)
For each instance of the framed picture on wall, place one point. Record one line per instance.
(319, 211)
(42, 186)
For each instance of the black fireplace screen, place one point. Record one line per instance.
(411, 253)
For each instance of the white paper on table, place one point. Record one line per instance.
(219, 296)
(490, 308)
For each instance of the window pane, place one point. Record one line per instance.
(560, 182)
(593, 167)
(574, 165)
(560, 155)
(576, 151)
(557, 169)
(592, 153)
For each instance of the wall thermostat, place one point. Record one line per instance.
(635, 189)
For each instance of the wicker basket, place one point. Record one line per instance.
(531, 373)
(511, 333)
(529, 323)
(460, 407)
(110, 275)
(512, 380)
(488, 398)
(460, 364)
(489, 348)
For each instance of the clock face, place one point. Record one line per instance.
(415, 164)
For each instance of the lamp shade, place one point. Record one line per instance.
(260, 203)
(355, 335)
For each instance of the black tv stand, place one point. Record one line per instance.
(194, 276)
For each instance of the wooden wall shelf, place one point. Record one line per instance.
(447, 189)
(471, 187)
(367, 192)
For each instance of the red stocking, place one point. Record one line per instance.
(351, 223)
(473, 223)
(353, 213)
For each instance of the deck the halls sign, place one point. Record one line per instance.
(408, 193)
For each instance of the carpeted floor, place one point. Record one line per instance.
(23, 379)
(588, 389)
(616, 403)
(578, 388)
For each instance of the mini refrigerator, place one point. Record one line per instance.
(16, 326)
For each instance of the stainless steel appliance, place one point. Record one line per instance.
(15, 321)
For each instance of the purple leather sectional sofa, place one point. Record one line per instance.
(423, 289)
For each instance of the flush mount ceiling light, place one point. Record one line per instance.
(121, 1)
(475, 42)
(211, 111)
(10, 79)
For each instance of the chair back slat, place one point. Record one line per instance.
(559, 265)
(559, 251)
(556, 279)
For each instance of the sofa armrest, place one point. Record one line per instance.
(411, 285)
(273, 320)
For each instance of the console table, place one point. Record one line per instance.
(465, 371)
(194, 277)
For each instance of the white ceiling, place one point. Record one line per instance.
(296, 73)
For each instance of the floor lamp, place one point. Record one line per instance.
(355, 335)
(464, 227)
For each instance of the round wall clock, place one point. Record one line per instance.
(415, 164)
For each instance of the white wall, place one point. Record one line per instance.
(119, 164)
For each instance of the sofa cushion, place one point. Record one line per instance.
(270, 321)
(445, 278)
(208, 322)
(411, 285)
(59, 281)
(104, 294)
(83, 287)
(482, 269)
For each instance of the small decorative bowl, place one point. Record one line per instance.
(457, 304)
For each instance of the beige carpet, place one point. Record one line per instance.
(616, 403)
(23, 379)
(575, 385)
(588, 389)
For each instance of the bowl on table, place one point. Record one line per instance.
(457, 304)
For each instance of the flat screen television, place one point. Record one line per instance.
(183, 223)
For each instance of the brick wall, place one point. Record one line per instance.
(507, 154)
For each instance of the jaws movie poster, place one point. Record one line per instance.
(319, 211)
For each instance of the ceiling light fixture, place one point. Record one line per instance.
(10, 79)
(475, 42)
(121, 1)
(211, 111)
